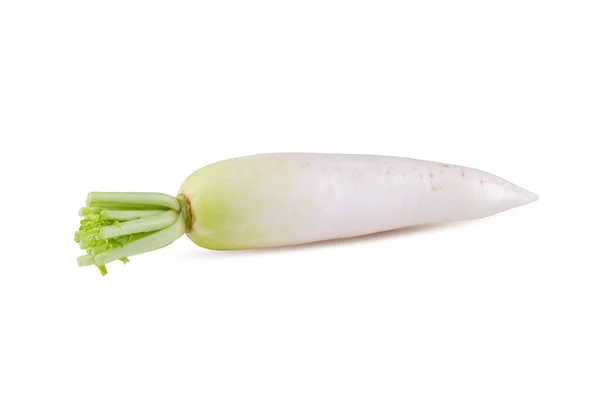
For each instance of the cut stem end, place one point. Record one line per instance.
(119, 225)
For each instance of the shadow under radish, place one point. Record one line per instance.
(199, 253)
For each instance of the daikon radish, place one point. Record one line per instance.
(272, 200)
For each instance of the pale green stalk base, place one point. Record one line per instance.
(119, 225)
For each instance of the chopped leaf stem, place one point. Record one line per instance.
(83, 261)
(149, 199)
(148, 224)
(151, 242)
(117, 225)
(127, 206)
(128, 215)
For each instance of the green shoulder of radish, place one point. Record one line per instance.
(273, 200)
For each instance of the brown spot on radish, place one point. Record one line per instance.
(431, 175)
(192, 218)
(462, 173)
(445, 165)
(481, 181)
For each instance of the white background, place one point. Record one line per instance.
(134, 96)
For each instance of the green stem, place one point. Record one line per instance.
(127, 207)
(148, 224)
(148, 243)
(125, 214)
(128, 215)
(97, 250)
(83, 211)
(84, 261)
(150, 199)
(116, 225)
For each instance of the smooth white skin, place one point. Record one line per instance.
(285, 199)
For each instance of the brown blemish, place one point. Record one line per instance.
(481, 181)
(189, 212)
(462, 173)
(445, 165)
(307, 164)
(431, 175)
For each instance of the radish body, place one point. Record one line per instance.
(274, 200)
(271, 200)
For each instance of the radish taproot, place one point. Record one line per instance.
(272, 200)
